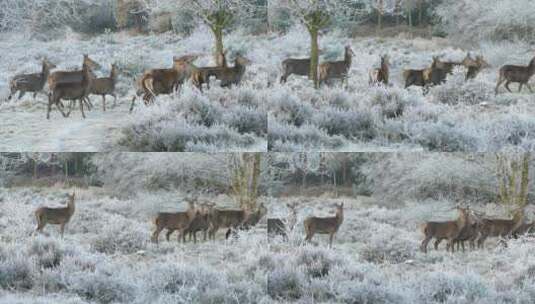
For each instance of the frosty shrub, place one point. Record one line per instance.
(457, 90)
(443, 136)
(316, 262)
(16, 270)
(104, 286)
(47, 252)
(120, 235)
(354, 125)
(286, 138)
(445, 286)
(285, 284)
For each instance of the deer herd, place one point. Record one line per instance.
(79, 85)
(205, 217)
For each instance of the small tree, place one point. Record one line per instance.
(315, 15)
(245, 169)
(219, 15)
(513, 178)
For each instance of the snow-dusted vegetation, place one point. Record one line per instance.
(261, 113)
(106, 255)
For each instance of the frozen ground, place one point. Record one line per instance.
(105, 256)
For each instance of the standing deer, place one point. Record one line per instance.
(524, 228)
(250, 220)
(336, 69)
(381, 74)
(448, 230)
(30, 82)
(55, 216)
(474, 66)
(174, 221)
(228, 76)
(433, 75)
(72, 91)
(281, 227)
(71, 76)
(470, 232)
(106, 86)
(295, 66)
(324, 225)
(500, 227)
(165, 81)
(200, 223)
(516, 73)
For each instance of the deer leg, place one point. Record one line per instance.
(82, 108)
(168, 234)
(227, 234)
(331, 237)
(520, 84)
(423, 246)
(195, 237)
(62, 229)
(34, 95)
(507, 86)
(155, 235)
(283, 79)
(104, 103)
(437, 242)
(114, 99)
(21, 94)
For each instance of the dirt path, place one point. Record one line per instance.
(25, 128)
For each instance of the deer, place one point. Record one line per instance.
(55, 216)
(106, 86)
(500, 227)
(174, 221)
(233, 219)
(516, 73)
(200, 223)
(324, 225)
(435, 74)
(228, 76)
(336, 69)
(380, 75)
(474, 66)
(165, 81)
(277, 226)
(72, 91)
(34, 83)
(251, 219)
(449, 230)
(470, 232)
(291, 66)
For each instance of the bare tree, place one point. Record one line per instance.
(219, 15)
(315, 15)
(245, 169)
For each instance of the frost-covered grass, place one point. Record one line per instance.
(375, 259)
(106, 256)
(455, 116)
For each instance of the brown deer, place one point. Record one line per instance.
(31, 82)
(448, 230)
(324, 225)
(295, 66)
(500, 227)
(524, 228)
(381, 74)
(516, 73)
(106, 86)
(55, 216)
(174, 221)
(277, 226)
(228, 76)
(71, 76)
(336, 69)
(433, 75)
(473, 67)
(72, 91)
(200, 223)
(233, 219)
(165, 81)
(470, 232)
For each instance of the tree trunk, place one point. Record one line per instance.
(420, 12)
(219, 48)
(523, 196)
(314, 56)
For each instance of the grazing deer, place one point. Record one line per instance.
(524, 228)
(55, 216)
(295, 66)
(381, 74)
(165, 81)
(31, 82)
(500, 227)
(281, 227)
(250, 220)
(106, 86)
(228, 76)
(336, 69)
(437, 73)
(448, 230)
(174, 221)
(516, 73)
(72, 91)
(324, 225)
